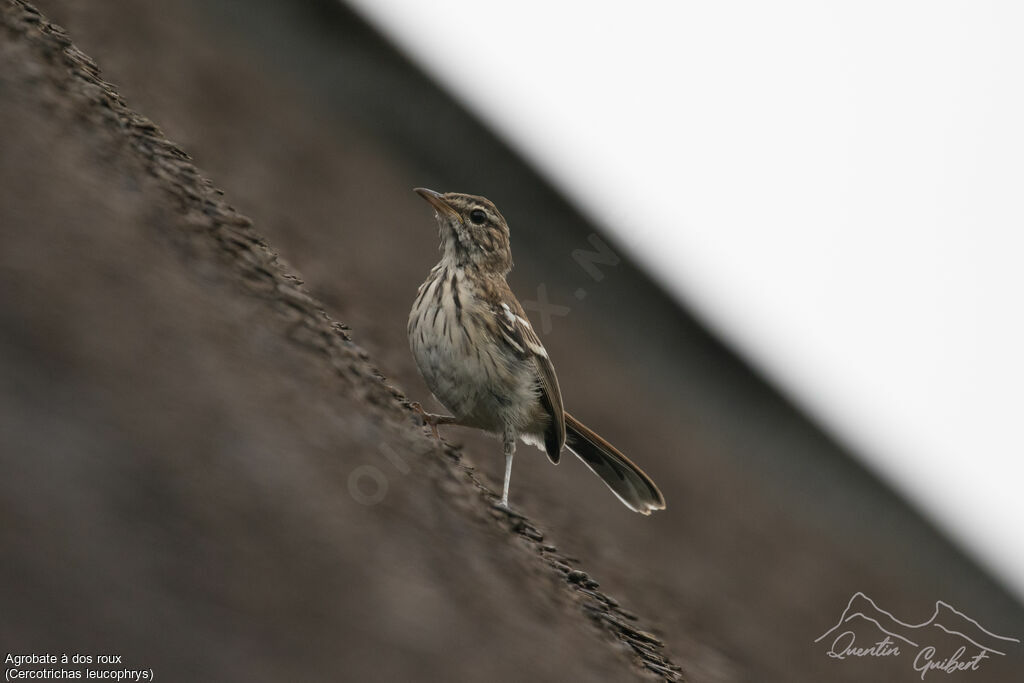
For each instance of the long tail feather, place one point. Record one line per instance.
(627, 481)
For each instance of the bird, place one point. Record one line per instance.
(483, 361)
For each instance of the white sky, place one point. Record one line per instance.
(837, 188)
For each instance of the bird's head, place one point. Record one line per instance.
(471, 229)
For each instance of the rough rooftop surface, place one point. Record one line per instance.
(203, 472)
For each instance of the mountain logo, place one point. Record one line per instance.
(949, 641)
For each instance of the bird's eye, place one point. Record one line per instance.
(477, 216)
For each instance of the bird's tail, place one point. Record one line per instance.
(627, 481)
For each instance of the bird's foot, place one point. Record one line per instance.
(429, 419)
(504, 507)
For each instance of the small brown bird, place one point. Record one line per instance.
(482, 360)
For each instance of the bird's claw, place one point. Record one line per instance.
(428, 419)
(504, 507)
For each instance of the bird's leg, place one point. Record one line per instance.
(509, 437)
(431, 419)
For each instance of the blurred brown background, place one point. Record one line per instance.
(317, 129)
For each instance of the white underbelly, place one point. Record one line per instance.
(482, 385)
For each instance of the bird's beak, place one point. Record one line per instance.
(436, 200)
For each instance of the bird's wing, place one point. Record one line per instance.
(518, 333)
